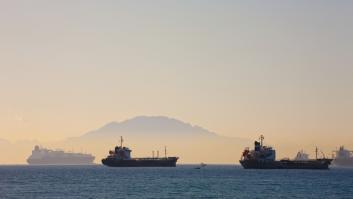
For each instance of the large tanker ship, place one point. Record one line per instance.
(43, 156)
(121, 157)
(264, 157)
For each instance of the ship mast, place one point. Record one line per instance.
(261, 139)
(165, 151)
(316, 151)
(121, 141)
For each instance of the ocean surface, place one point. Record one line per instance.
(213, 181)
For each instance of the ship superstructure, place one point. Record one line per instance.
(43, 156)
(264, 157)
(121, 157)
(301, 155)
(343, 157)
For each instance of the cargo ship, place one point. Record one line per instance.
(121, 157)
(264, 157)
(43, 156)
(343, 157)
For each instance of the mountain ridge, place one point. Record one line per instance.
(153, 125)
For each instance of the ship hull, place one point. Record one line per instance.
(286, 164)
(61, 161)
(160, 162)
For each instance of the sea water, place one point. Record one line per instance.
(213, 181)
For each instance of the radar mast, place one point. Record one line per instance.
(261, 140)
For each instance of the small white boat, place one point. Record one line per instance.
(201, 165)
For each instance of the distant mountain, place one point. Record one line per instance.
(144, 134)
(149, 126)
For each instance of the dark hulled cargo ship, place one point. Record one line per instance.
(264, 157)
(121, 157)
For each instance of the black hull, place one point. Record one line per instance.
(286, 164)
(160, 162)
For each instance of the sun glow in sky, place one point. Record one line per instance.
(280, 68)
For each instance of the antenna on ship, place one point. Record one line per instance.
(316, 151)
(121, 141)
(165, 151)
(261, 139)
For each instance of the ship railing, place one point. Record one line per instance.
(153, 158)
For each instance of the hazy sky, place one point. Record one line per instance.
(239, 68)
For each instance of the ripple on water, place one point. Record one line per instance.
(180, 182)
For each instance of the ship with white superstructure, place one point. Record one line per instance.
(343, 157)
(264, 157)
(43, 156)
